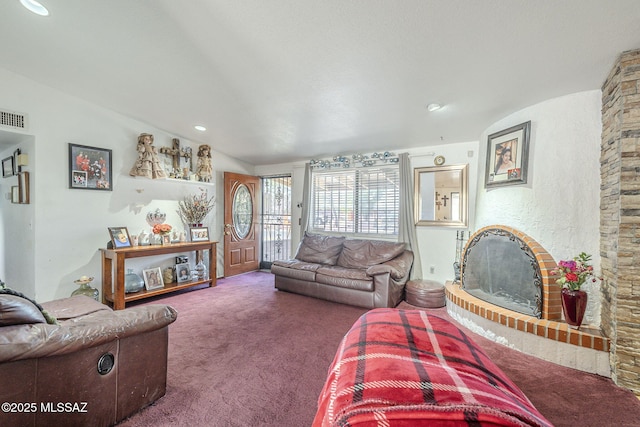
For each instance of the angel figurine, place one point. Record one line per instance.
(147, 163)
(205, 169)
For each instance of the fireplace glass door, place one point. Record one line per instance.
(502, 270)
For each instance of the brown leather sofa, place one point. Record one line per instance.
(95, 367)
(364, 273)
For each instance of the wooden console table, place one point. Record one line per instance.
(113, 267)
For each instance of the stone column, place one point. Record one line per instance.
(620, 218)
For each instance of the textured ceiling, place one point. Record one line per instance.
(285, 80)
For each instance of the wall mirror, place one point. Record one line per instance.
(441, 196)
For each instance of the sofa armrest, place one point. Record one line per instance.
(398, 267)
(42, 340)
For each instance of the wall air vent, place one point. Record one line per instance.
(12, 120)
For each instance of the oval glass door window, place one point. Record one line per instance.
(242, 211)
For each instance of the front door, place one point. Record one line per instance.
(240, 223)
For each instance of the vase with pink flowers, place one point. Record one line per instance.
(163, 230)
(572, 274)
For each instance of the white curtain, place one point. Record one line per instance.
(407, 228)
(306, 199)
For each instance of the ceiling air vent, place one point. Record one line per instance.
(13, 120)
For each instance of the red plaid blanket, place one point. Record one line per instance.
(409, 368)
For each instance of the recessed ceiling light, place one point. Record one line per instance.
(35, 7)
(200, 128)
(433, 107)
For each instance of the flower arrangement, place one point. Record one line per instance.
(161, 229)
(574, 273)
(194, 208)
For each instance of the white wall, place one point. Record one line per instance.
(559, 207)
(16, 222)
(560, 204)
(70, 225)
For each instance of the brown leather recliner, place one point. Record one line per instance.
(94, 368)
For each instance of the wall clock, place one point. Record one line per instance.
(438, 161)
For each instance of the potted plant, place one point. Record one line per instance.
(572, 275)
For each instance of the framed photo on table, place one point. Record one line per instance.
(120, 237)
(199, 234)
(183, 272)
(508, 156)
(153, 278)
(90, 168)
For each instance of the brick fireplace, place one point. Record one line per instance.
(546, 336)
(519, 246)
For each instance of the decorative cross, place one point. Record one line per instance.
(439, 204)
(175, 152)
(445, 198)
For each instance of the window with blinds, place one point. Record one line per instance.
(356, 201)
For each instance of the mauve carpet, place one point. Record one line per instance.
(245, 354)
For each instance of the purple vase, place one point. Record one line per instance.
(574, 304)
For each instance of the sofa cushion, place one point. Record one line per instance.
(16, 310)
(345, 278)
(297, 264)
(365, 253)
(295, 269)
(320, 249)
(347, 273)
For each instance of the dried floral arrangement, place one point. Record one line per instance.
(194, 208)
